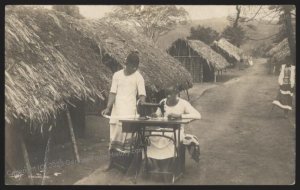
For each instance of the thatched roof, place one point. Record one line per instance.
(46, 64)
(159, 69)
(228, 48)
(51, 57)
(280, 51)
(213, 58)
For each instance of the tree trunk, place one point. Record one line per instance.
(289, 32)
(236, 22)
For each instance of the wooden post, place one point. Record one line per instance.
(46, 158)
(70, 125)
(26, 160)
(215, 77)
(201, 72)
(187, 93)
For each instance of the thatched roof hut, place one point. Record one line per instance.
(46, 64)
(280, 51)
(198, 58)
(51, 58)
(117, 40)
(228, 50)
(214, 59)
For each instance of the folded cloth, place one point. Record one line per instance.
(192, 144)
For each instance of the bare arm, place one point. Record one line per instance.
(280, 78)
(110, 103)
(190, 112)
(142, 98)
(111, 100)
(292, 76)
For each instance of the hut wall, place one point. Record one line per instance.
(13, 152)
(111, 62)
(189, 59)
(78, 117)
(208, 73)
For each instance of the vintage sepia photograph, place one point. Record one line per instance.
(150, 94)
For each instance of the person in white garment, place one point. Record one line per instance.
(126, 85)
(161, 149)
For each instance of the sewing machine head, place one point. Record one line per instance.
(146, 109)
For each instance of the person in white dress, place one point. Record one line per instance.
(162, 149)
(126, 85)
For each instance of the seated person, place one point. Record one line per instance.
(161, 149)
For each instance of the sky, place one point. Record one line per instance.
(196, 12)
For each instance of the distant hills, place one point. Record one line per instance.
(263, 29)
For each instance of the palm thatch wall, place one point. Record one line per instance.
(198, 58)
(216, 60)
(228, 50)
(51, 58)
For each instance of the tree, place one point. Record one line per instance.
(155, 20)
(205, 34)
(285, 15)
(235, 33)
(287, 31)
(71, 10)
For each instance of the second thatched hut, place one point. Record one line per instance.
(230, 52)
(199, 59)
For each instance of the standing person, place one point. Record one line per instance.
(286, 81)
(126, 85)
(250, 61)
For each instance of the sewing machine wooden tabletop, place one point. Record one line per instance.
(158, 120)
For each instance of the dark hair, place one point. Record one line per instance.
(133, 59)
(288, 60)
(172, 89)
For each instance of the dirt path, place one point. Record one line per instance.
(239, 143)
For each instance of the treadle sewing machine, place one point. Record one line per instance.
(146, 109)
(144, 125)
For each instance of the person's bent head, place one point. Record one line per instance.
(172, 93)
(132, 63)
(288, 60)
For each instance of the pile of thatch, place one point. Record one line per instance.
(228, 49)
(214, 59)
(280, 51)
(51, 58)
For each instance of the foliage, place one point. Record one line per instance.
(235, 35)
(204, 34)
(287, 30)
(261, 50)
(155, 20)
(282, 34)
(71, 10)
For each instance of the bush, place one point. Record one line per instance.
(205, 34)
